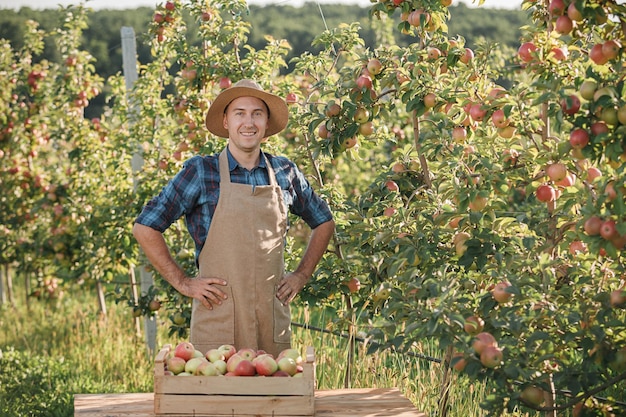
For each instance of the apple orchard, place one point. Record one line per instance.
(479, 194)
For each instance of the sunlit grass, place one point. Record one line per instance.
(105, 355)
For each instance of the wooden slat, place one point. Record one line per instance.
(219, 405)
(364, 402)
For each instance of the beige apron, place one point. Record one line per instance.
(244, 246)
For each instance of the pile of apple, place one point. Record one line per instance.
(186, 360)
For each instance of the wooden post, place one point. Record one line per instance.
(133, 290)
(129, 64)
(446, 382)
(3, 294)
(7, 274)
(347, 380)
(101, 301)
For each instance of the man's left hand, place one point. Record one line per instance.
(290, 286)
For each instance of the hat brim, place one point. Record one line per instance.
(278, 117)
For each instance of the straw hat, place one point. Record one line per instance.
(278, 111)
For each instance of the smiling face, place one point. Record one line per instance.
(246, 120)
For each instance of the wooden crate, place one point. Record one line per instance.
(234, 395)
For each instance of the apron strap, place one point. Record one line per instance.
(225, 169)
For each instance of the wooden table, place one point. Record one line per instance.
(362, 402)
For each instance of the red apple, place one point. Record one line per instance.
(459, 134)
(563, 25)
(599, 128)
(354, 285)
(608, 229)
(225, 83)
(458, 362)
(398, 167)
(609, 191)
(332, 109)
(391, 186)
(560, 54)
(526, 51)
(477, 112)
(556, 7)
(291, 98)
(499, 119)
(570, 105)
(233, 361)
(350, 143)
(467, 56)
(364, 81)
(499, 292)
(491, 357)
(545, 193)
(592, 225)
(265, 365)
(433, 53)
(597, 55)
(184, 350)
(154, 305)
(610, 49)
(556, 171)
(245, 368)
(175, 364)
(482, 340)
(577, 246)
(389, 211)
(593, 173)
(415, 17)
(568, 181)
(579, 138)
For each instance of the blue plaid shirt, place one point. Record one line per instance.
(194, 192)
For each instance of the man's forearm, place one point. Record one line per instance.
(318, 243)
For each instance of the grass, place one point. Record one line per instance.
(74, 349)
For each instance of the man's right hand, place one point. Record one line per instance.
(205, 290)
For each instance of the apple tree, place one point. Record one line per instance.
(498, 227)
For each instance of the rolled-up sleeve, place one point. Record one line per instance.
(174, 200)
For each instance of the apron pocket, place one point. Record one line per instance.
(282, 322)
(213, 327)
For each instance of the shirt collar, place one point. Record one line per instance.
(232, 162)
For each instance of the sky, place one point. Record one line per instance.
(132, 4)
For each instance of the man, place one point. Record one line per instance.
(235, 205)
